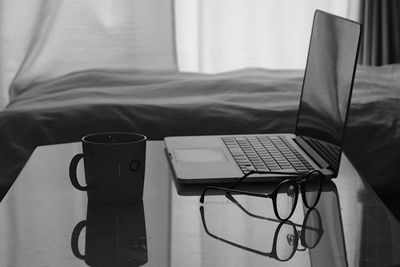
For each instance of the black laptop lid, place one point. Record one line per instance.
(327, 85)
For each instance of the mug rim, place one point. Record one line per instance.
(141, 138)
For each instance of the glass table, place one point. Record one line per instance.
(44, 221)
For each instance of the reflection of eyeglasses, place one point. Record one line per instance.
(311, 231)
(286, 237)
(285, 195)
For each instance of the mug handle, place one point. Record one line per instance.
(75, 237)
(72, 172)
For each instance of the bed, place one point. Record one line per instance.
(165, 103)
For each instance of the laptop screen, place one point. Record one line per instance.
(327, 84)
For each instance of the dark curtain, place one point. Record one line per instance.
(381, 34)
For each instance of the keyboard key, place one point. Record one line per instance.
(275, 168)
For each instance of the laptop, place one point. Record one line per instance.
(321, 120)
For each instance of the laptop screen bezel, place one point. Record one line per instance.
(351, 83)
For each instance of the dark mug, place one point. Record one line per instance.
(115, 236)
(114, 167)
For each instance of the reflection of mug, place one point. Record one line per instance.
(115, 235)
(114, 167)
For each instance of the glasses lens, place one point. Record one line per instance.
(286, 242)
(312, 229)
(312, 189)
(286, 199)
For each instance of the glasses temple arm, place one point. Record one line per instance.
(231, 190)
(238, 182)
(231, 198)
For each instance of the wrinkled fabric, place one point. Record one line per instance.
(166, 103)
(43, 40)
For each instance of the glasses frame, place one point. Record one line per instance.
(298, 185)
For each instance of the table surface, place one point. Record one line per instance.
(44, 221)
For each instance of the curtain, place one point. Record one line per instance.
(381, 34)
(221, 35)
(43, 40)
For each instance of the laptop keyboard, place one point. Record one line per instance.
(265, 153)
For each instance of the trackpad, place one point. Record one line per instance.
(200, 155)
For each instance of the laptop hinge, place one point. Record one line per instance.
(312, 153)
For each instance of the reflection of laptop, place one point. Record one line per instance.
(321, 120)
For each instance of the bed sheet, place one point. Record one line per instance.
(160, 104)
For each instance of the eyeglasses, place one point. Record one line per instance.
(285, 195)
(286, 238)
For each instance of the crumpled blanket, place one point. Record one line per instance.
(160, 104)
